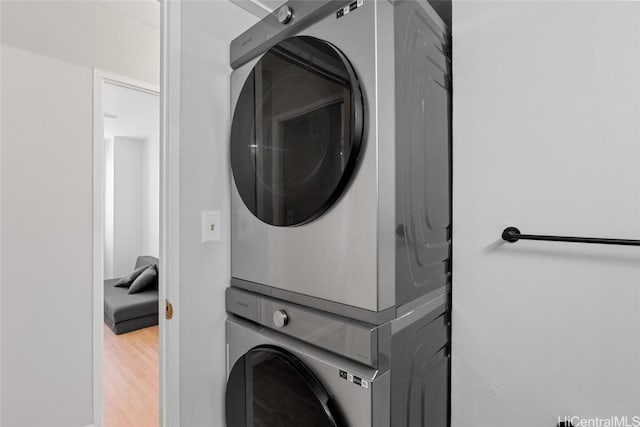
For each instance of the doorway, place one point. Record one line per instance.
(131, 137)
(127, 245)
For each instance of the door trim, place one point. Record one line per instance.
(170, 211)
(99, 78)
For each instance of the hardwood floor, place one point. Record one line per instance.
(131, 393)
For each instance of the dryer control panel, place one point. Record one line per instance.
(281, 24)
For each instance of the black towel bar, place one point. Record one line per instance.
(512, 235)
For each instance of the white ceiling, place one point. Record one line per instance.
(138, 113)
(144, 11)
(225, 20)
(230, 19)
(260, 8)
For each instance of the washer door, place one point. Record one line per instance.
(296, 132)
(270, 387)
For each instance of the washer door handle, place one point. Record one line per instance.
(280, 318)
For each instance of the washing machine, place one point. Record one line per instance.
(293, 366)
(340, 151)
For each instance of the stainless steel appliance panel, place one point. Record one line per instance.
(423, 152)
(352, 339)
(353, 402)
(420, 368)
(334, 257)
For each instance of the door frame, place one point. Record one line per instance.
(169, 339)
(170, 211)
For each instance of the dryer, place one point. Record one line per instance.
(340, 155)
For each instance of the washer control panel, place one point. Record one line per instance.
(352, 339)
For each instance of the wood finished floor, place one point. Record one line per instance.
(131, 393)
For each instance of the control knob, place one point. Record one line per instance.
(285, 13)
(280, 318)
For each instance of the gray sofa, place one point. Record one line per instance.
(125, 313)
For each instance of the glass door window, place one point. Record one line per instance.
(296, 132)
(270, 387)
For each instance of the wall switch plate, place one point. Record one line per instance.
(211, 225)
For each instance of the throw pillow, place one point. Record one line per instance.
(127, 280)
(144, 281)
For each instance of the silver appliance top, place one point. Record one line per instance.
(291, 18)
(285, 21)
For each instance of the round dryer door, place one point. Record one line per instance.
(270, 387)
(296, 132)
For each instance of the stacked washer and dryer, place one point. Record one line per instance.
(340, 150)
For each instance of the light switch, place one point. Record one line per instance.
(211, 224)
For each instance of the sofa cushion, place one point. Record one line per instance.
(147, 280)
(120, 306)
(141, 261)
(131, 325)
(127, 280)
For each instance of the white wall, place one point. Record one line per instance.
(206, 29)
(128, 190)
(47, 54)
(546, 138)
(134, 115)
(134, 203)
(46, 229)
(109, 35)
(151, 194)
(108, 207)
